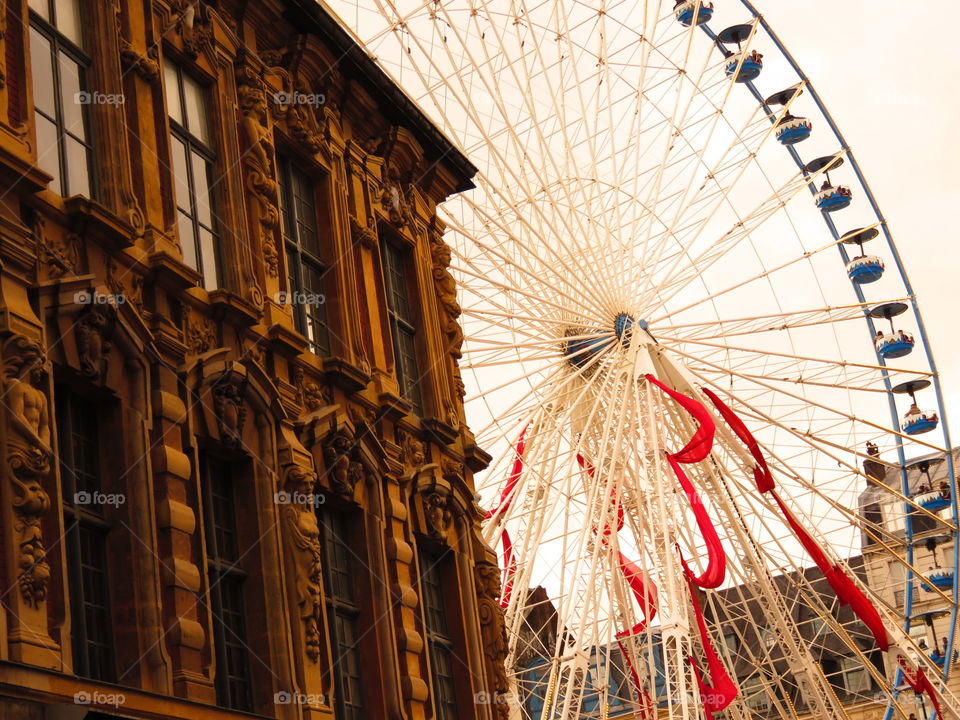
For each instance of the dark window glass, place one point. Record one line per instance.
(439, 641)
(298, 203)
(60, 95)
(226, 586)
(193, 160)
(342, 614)
(402, 324)
(86, 536)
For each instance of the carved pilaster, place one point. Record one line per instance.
(493, 634)
(259, 166)
(27, 445)
(302, 536)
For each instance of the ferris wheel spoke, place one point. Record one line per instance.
(787, 320)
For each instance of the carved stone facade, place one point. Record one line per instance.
(181, 433)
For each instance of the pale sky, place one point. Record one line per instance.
(889, 77)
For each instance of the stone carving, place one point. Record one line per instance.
(62, 257)
(412, 452)
(28, 457)
(493, 635)
(259, 164)
(229, 408)
(146, 65)
(343, 471)
(302, 119)
(437, 512)
(310, 394)
(366, 236)
(394, 200)
(192, 22)
(201, 334)
(299, 489)
(93, 331)
(114, 284)
(446, 288)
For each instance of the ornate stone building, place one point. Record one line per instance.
(236, 475)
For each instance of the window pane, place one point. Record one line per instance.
(201, 188)
(208, 256)
(42, 67)
(172, 88)
(41, 8)
(92, 599)
(48, 151)
(77, 171)
(68, 20)
(195, 100)
(187, 241)
(70, 98)
(180, 177)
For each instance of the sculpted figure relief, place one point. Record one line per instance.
(446, 288)
(493, 634)
(258, 160)
(28, 459)
(344, 473)
(299, 488)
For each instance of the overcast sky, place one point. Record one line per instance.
(890, 77)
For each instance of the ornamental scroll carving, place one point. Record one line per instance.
(259, 164)
(28, 459)
(493, 635)
(298, 499)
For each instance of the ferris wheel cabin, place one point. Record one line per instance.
(929, 497)
(830, 198)
(746, 66)
(898, 343)
(863, 268)
(790, 129)
(916, 421)
(691, 12)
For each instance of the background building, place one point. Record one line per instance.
(237, 475)
(926, 559)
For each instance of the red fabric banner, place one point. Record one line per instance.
(848, 593)
(717, 696)
(644, 590)
(716, 569)
(761, 473)
(506, 497)
(920, 683)
(699, 445)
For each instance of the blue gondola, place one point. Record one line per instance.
(688, 14)
(932, 501)
(941, 578)
(834, 198)
(749, 69)
(794, 130)
(865, 269)
(894, 346)
(920, 423)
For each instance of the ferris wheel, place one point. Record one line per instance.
(688, 331)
